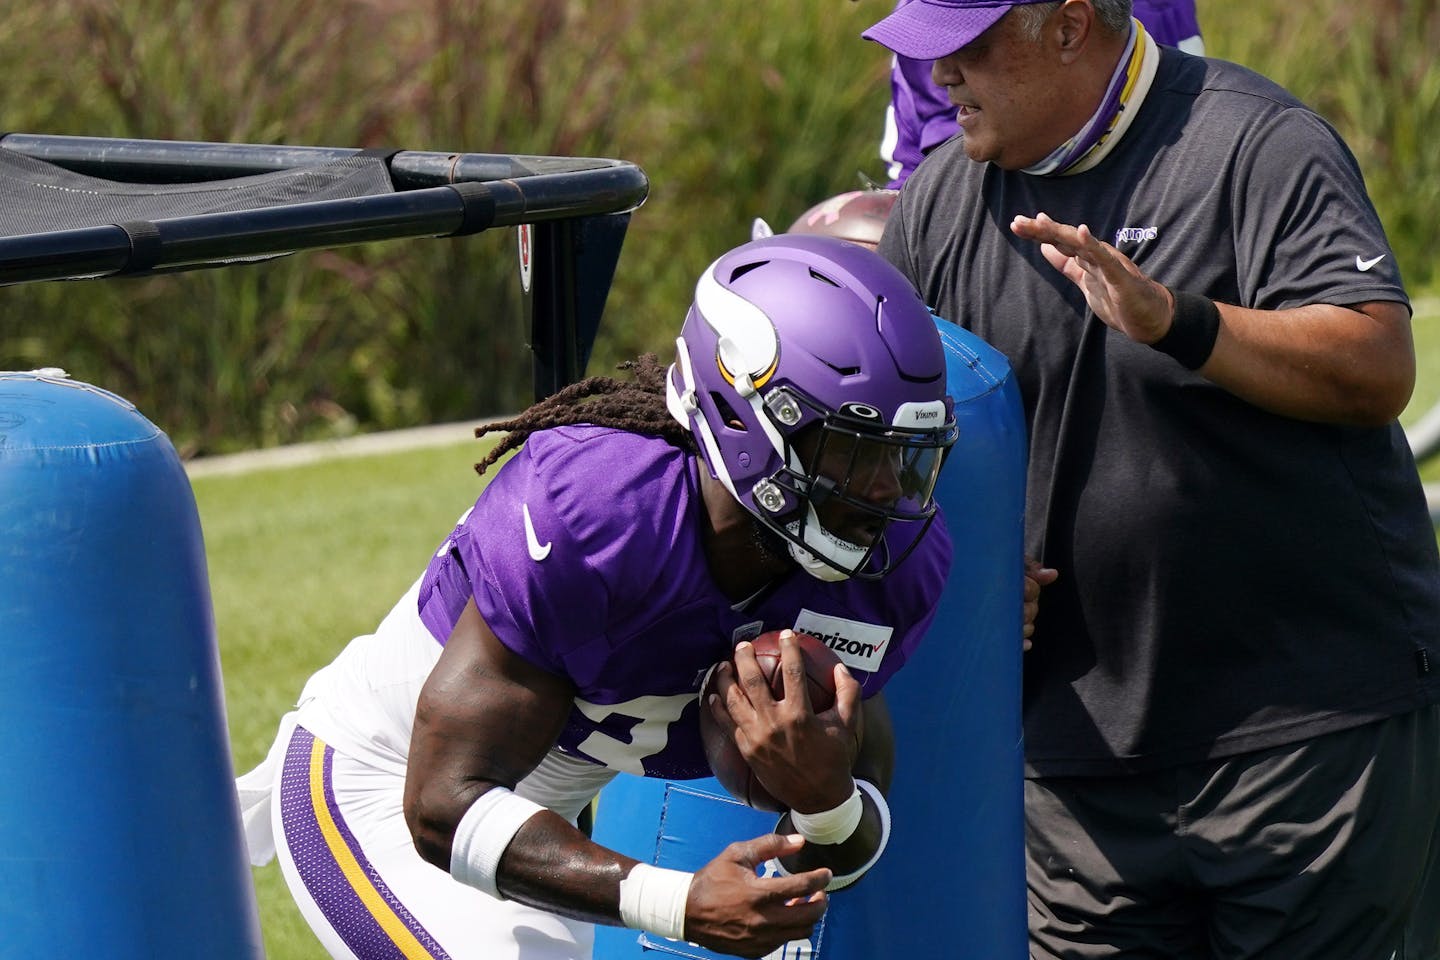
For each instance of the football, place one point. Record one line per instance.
(858, 216)
(728, 766)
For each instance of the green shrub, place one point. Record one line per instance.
(734, 110)
(1371, 70)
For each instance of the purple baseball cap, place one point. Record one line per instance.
(931, 29)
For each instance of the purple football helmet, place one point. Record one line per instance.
(812, 377)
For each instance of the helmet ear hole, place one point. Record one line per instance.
(727, 412)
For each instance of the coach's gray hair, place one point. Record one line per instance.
(1114, 16)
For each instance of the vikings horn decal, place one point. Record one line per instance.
(748, 348)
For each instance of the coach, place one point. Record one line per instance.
(1230, 720)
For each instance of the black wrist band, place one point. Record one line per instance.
(1193, 330)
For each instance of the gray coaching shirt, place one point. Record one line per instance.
(1230, 579)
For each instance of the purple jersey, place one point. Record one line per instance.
(585, 557)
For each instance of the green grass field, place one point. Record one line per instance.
(303, 558)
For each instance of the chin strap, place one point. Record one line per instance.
(814, 566)
(844, 557)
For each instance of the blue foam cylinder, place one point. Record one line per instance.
(121, 826)
(952, 881)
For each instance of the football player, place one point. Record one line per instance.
(423, 796)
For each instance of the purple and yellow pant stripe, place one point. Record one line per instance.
(351, 894)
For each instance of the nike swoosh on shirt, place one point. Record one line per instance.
(538, 551)
(1364, 265)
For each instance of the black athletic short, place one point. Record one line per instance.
(1314, 851)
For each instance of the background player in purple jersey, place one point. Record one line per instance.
(423, 796)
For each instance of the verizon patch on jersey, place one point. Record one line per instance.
(859, 645)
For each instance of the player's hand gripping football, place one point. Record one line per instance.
(732, 910)
(803, 758)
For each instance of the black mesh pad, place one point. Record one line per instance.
(40, 197)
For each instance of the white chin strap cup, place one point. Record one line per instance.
(843, 554)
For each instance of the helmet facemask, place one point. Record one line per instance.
(847, 477)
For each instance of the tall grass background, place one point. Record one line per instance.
(734, 110)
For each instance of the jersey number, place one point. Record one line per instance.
(653, 716)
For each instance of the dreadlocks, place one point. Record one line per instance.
(637, 405)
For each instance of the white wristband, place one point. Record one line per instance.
(653, 899)
(831, 826)
(483, 834)
(882, 809)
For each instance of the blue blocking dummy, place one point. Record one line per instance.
(121, 826)
(952, 881)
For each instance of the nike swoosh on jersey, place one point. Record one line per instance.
(1364, 265)
(538, 551)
